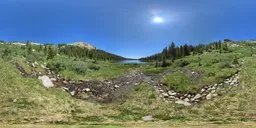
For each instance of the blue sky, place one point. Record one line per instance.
(126, 27)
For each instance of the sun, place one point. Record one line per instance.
(157, 20)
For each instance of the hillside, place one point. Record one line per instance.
(215, 85)
(84, 45)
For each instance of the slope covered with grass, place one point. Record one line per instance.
(27, 100)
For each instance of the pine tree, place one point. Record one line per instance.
(29, 51)
(51, 53)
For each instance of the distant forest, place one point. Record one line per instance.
(173, 52)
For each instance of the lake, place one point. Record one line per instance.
(131, 62)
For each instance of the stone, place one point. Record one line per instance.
(214, 95)
(197, 96)
(213, 91)
(186, 99)
(147, 118)
(87, 89)
(116, 86)
(171, 97)
(53, 79)
(182, 102)
(209, 96)
(46, 81)
(65, 89)
(65, 82)
(165, 94)
(35, 63)
(72, 93)
(171, 93)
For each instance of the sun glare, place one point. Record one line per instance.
(158, 20)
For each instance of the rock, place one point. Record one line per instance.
(72, 93)
(182, 102)
(186, 99)
(213, 91)
(209, 96)
(53, 79)
(171, 97)
(165, 95)
(65, 89)
(147, 118)
(214, 95)
(87, 89)
(35, 63)
(15, 100)
(197, 96)
(171, 93)
(116, 86)
(65, 82)
(202, 90)
(46, 81)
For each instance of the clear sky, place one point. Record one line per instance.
(131, 28)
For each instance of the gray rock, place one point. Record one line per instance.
(209, 96)
(53, 79)
(116, 86)
(186, 99)
(65, 89)
(87, 89)
(65, 82)
(165, 94)
(182, 102)
(72, 93)
(147, 118)
(171, 93)
(197, 96)
(46, 81)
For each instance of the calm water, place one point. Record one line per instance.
(131, 62)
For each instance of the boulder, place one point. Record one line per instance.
(147, 118)
(182, 102)
(46, 81)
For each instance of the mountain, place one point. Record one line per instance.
(84, 45)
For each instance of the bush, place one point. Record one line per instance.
(93, 67)
(182, 63)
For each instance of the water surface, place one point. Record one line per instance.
(131, 62)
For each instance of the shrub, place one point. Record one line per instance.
(93, 67)
(182, 63)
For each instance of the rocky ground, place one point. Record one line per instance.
(113, 90)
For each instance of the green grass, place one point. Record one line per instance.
(180, 82)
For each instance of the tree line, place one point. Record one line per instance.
(173, 52)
